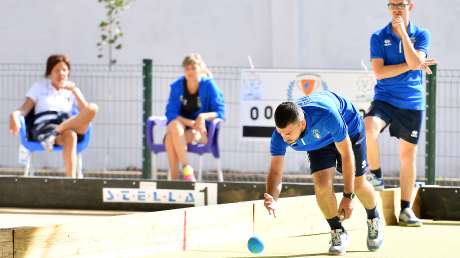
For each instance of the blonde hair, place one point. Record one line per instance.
(195, 59)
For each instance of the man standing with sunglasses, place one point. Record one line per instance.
(399, 57)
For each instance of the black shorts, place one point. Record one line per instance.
(404, 123)
(329, 156)
(48, 126)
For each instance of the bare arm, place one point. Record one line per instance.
(382, 71)
(348, 172)
(275, 175)
(414, 58)
(186, 121)
(201, 118)
(81, 101)
(25, 108)
(208, 115)
(348, 164)
(273, 187)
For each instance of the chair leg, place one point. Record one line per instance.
(154, 167)
(220, 175)
(24, 159)
(200, 169)
(27, 166)
(79, 167)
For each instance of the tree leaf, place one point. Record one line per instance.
(119, 3)
(103, 24)
(119, 46)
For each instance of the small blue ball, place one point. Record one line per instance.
(255, 245)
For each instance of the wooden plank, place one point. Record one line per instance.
(163, 231)
(6, 243)
(124, 232)
(390, 205)
(6, 235)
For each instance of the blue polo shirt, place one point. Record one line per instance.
(404, 91)
(330, 118)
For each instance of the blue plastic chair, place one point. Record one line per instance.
(35, 146)
(211, 147)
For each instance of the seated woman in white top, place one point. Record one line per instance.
(54, 101)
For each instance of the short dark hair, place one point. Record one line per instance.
(53, 60)
(286, 113)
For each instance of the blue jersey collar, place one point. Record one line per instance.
(411, 30)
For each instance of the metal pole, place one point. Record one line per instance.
(430, 156)
(147, 112)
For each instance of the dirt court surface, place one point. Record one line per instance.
(433, 240)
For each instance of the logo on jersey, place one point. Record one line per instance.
(387, 42)
(413, 40)
(414, 134)
(316, 133)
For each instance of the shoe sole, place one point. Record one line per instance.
(373, 249)
(379, 188)
(189, 179)
(337, 254)
(414, 225)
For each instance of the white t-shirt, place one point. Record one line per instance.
(47, 98)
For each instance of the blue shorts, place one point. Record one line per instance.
(329, 156)
(404, 123)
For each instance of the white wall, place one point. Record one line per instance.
(279, 33)
(276, 33)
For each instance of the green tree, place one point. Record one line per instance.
(110, 28)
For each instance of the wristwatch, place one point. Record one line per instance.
(349, 195)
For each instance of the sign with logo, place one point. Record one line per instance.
(263, 89)
(202, 194)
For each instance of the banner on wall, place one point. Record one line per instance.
(262, 90)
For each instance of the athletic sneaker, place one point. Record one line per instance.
(187, 173)
(407, 218)
(374, 234)
(47, 140)
(339, 242)
(376, 182)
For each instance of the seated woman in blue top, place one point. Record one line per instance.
(194, 99)
(53, 101)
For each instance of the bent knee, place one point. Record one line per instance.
(175, 126)
(69, 135)
(373, 126)
(92, 108)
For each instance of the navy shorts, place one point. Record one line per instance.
(329, 156)
(404, 123)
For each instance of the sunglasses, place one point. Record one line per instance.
(400, 6)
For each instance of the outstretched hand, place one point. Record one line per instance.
(270, 204)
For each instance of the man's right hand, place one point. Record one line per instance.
(270, 204)
(398, 26)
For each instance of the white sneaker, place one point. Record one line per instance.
(47, 141)
(376, 182)
(407, 218)
(374, 234)
(339, 242)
